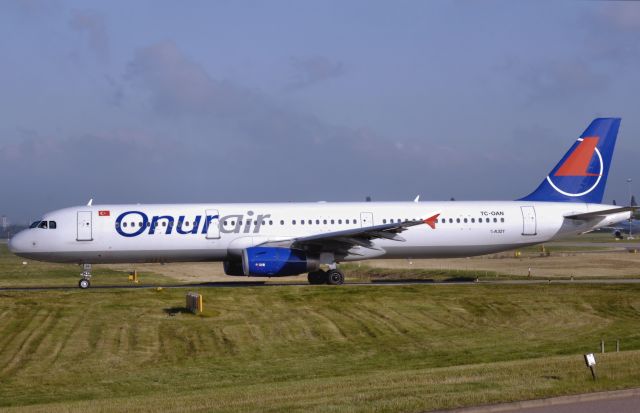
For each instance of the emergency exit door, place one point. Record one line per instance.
(366, 219)
(213, 224)
(529, 224)
(85, 232)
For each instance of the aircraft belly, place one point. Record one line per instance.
(450, 251)
(130, 256)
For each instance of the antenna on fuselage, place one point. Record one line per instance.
(90, 202)
(417, 199)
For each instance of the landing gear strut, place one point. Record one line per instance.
(85, 282)
(331, 277)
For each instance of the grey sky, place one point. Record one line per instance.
(163, 101)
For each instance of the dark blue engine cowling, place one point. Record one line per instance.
(275, 262)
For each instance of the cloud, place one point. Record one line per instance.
(555, 79)
(612, 34)
(211, 140)
(624, 16)
(270, 147)
(94, 26)
(179, 86)
(312, 70)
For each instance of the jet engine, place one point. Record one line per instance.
(277, 262)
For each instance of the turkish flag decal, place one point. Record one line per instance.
(104, 213)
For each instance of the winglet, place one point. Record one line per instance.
(431, 221)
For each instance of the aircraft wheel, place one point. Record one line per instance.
(317, 277)
(335, 277)
(84, 283)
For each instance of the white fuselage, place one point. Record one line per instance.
(179, 232)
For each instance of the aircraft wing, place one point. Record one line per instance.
(340, 242)
(602, 213)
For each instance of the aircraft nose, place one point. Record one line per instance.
(17, 243)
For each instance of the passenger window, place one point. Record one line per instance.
(339, 221)
(495, 220)
(333, 222)
(458, 220)
(302, 222)
(346, 222)
(355, 221)
(465, 221)
(281, 222)
(139, 224)
(52, 225)
(324, 221)
(450, 220)
(473, 220)
(124, 224)
(384, 221)
(293, 222)
(270, 222)
(501, 219)
(480, 220)
(317, 222)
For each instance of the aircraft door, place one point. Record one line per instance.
(529, 225)
(212, 224)
(85, 232)
(366, 219)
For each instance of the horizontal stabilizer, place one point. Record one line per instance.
(602, 213)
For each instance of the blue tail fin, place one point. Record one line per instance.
(581, 174)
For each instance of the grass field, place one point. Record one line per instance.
(297, 348)
(408, 348)
(17, 272)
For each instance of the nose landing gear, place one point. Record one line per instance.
(85, 282)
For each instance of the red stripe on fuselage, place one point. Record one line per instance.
(578, 162)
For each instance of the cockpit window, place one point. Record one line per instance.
(35, 224)
(43, 224)
(52, 225)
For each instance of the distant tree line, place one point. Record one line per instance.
(10, 230)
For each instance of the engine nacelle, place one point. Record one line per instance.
(277, 262)
(233, 267)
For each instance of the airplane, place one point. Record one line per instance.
(628, 227)
(286, 239)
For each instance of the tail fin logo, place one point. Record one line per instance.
(576, 167)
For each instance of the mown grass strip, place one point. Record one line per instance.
(392, 348)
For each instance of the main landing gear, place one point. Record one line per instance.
(331, 277)
(85, 282)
